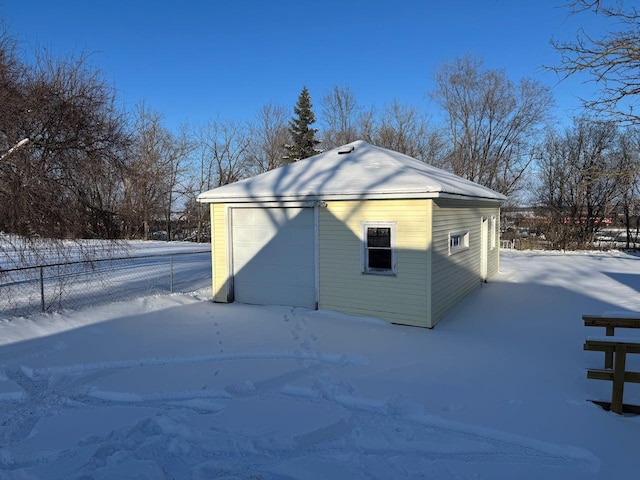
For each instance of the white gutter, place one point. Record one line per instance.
(348, 196)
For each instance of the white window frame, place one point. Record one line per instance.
(462, 243)
(365, 248)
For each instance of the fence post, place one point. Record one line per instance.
(42, 288)
(171, 275)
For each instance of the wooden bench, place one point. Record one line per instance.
(618, 348)
(610, 322)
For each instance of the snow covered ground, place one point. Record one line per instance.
(16, 252)
(124, 271)
(178, 387)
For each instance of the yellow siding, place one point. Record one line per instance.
(403, 298)
(455, 276)
(219, 250)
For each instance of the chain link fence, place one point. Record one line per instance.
(45, 288)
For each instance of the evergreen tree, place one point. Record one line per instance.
(302, 136)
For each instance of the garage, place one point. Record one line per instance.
(273, 256)
(381, 234)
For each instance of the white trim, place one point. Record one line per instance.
(364, 269)
(282, 199)
(493, 232)
(484, 247)
(230, 291)
(316, 251)
(270, 204)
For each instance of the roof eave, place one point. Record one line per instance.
(343, 196)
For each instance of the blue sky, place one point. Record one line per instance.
(196, 60)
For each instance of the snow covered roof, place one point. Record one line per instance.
(355, 171)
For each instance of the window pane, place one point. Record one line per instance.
(380, 259)
(379, 237)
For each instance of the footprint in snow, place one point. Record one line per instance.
(242, 389)
(215, 324)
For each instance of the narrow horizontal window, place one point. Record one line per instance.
(378, 252)
(458, 241)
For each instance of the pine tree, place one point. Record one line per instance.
(303, 137)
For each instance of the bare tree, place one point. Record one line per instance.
(553, 192)
(63, 182)
(12, 138)
(177, 155)
(627, 167)
(12, 98)
(340, 112)
(154, 165)
(200, 180)
(269, 134)
(228, 151)
(223, 153)
(62, 143)
(492, 122)
(612, 61)
(227, 146)
(367, 124)
(403, 129)
(578, 182)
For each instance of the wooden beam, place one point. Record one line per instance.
(617, 322)
(605, 345)
(610, 323)
(608, 356)
(597, 374)
(617, 392)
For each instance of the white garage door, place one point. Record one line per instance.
(273, 256)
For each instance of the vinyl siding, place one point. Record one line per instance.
(402, 298)
(455, 276)
(219, 252)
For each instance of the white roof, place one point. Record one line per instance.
(357, 170)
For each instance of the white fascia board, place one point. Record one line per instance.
(327, 197)
(270, 204)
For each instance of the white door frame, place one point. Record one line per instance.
(484, 248)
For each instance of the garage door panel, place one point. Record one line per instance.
(301, 221)
(270, 256)
(273, 271)
(280, 274)
(265, 264)
(274, 256)
(252, 235)
(265, 217)
(246, 235)
(260, 294)
(285, 254)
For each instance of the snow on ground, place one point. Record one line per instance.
(127, 270)
(139, 247)
(179, 387)
(16, 252)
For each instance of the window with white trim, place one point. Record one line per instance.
(378, 248)
(458, 241)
